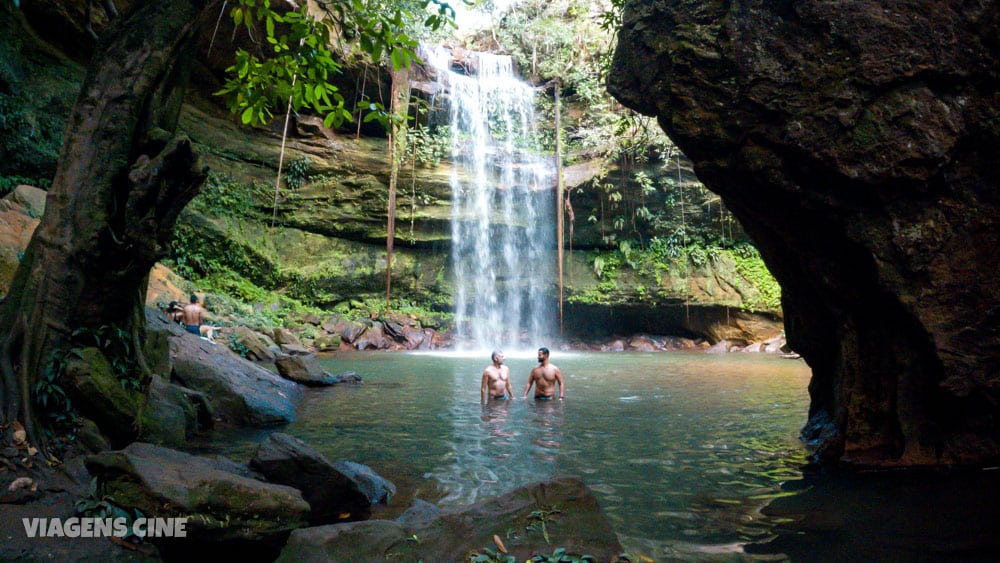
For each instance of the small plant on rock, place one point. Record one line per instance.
(561, 556)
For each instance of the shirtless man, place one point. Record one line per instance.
(193, 317)
(545, 376)
(496, 380)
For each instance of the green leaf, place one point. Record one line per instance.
(398, 59)
(247, 116)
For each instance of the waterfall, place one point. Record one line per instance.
(503, 205)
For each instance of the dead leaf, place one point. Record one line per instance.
(20, 436)
(21, 483)
(32, 450)
(499, 544)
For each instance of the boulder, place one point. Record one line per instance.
(257, 346)
(28, 198)
(393, 329)
(312, 319)
(573, 521)
(348, 377)
(157, 347)
(89, 437)
(616, 345)
(420, 515)
(239, 391)
(336, 492)
(335, 324)
(220, 505)
(414, 337)
(428, 341)
(94, 390)
(288, 342)
(643, 343)
(170, 415)
(305, 370)
(352, 331)
(372, 339)
(16, 227)
(376, 488)
(327, 342)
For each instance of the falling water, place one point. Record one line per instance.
(503, 231)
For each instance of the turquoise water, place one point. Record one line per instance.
(681, 449)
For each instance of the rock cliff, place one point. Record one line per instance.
(322, 242)
(858, 145)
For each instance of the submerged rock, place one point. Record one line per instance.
(570, 513)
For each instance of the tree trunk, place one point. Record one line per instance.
(400, 104)
(122, 180)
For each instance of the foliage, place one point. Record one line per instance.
(301, 65)
(750, 265)
(116, 345)
(195, 256)
(236, 345)
(297, 173)
(487, 555)
(647, 268)
(561, 556)
(92, 506)
(29, 140)
(8, 183)
(428, 147)
(49, 395)
(539, 519)
(226, 196)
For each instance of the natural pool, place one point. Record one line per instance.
(681, 449)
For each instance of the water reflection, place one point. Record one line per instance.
(545, 425)
(496, 418)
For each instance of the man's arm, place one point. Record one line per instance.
(562, 384)
(527, 386)
(483, 387)
(510, 390)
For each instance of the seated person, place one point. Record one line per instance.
(174, 312)
(193, 317)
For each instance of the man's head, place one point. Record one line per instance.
(497, 356)
(194, 298)
(543, 354)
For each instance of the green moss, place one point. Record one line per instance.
(752, 268)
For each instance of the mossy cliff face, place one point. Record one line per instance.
(326, 247)
(858, 146)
